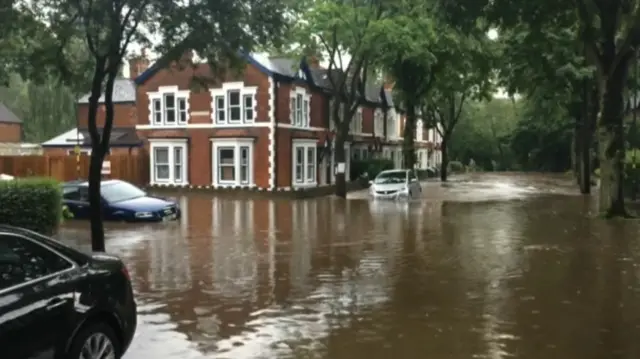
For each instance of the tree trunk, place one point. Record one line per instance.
(408, 143)
(341, 113)
(341, 177)
(445, 159)
(611, 144)
(97, 156)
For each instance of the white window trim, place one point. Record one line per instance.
(356, 122)
(305, 145)
(236, 143)
(306, 116)
(419, 131)
(171, 144)
(378, 122)
(159, 95)
(224, 92)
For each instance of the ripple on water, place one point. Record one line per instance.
(476, 270)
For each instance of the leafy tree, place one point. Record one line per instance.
(215, 29)
(562, 78)
(610, 32)
(46, 109)
(466, 72)
(484, 134)
(344, 33)
(408, 50)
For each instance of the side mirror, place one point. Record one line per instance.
(370, 182)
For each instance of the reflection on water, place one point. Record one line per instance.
(484, 267)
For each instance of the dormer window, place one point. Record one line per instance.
(233, 104)
(169, 106)
(300, 101)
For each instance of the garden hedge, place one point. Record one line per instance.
(33, 203)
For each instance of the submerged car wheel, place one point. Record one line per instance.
(96, 341)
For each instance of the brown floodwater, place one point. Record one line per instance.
(486, 266)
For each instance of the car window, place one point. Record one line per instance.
(75, 193)
(391, 177)
(22, 260)
(71, 193)
(120, 191)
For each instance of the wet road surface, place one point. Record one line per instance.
(487, 266)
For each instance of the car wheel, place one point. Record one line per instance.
(95, 341)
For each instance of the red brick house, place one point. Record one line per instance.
(124, 138)
(267, 127)
(10, 126)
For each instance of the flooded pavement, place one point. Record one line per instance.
(487, 266)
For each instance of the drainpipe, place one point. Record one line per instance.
(275, 132)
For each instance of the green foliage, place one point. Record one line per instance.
(372, 167)
(455, 167)
(541, 140)
(33, 203)
(484, 134)
(46, 109)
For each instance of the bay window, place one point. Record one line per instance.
(304, 163)
(169, 106)
(233, 104)
(168, 162)
(233, 162)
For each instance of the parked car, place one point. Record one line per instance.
(121, 201)
(56, 302)
(392, 184)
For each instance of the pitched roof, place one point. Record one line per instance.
(7, 116)
(120, 137)
(288, 68)
(124, 90)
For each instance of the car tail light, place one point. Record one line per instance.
(125, 271)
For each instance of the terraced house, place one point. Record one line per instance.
(267, 127)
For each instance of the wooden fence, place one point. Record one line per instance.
(130, 168)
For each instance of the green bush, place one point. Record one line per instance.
(455, 167)
(33, 203)
(372, 167)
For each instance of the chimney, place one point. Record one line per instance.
(313, 62)
(187, 57)
(138, 64)
(388, 83)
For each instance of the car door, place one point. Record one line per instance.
(77, 199)
(36, 298)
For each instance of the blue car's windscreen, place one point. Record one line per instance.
(121, 191)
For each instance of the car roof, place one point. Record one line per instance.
(393, 171)
(66, 250)
(83, 183)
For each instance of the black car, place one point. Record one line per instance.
(59, 303)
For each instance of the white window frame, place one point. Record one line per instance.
(171, 145)
(356, 122)
(419, 131)
(221, 112)
(378, 122)
(237, 144)
(300, 107)
(309, 177)
(158, 116)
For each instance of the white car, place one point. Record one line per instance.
(393, 184)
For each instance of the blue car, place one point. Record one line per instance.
(121, 201)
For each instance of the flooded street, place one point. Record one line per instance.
(486, 266)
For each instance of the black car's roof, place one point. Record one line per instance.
(83, 183)
(72, 253)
